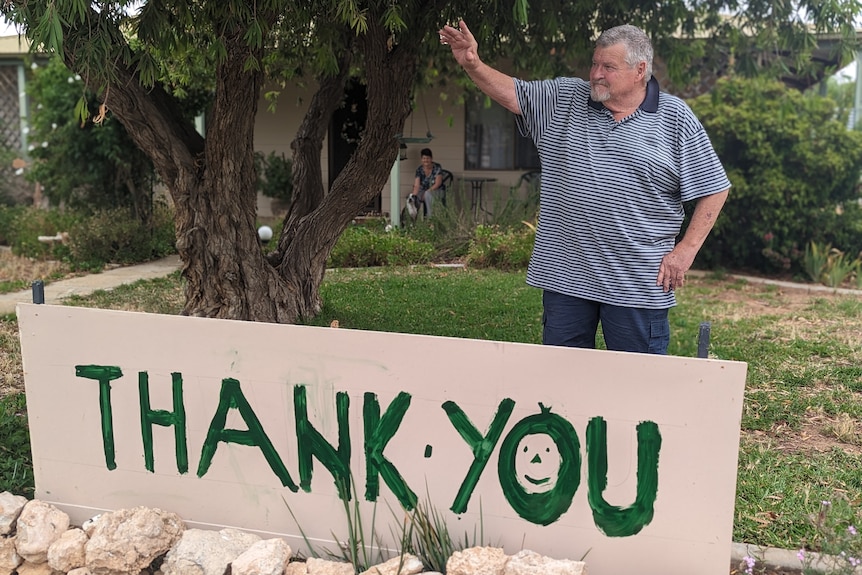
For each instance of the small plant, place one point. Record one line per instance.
(838, 544)
(838, 268)
(816, 260)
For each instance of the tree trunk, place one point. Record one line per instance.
(315, 222)
(212, 187)
(212, 182)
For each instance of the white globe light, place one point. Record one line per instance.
(264, 233)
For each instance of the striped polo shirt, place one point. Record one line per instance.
(612, 192)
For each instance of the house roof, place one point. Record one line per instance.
(14, 45)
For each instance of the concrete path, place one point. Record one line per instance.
(85, 285)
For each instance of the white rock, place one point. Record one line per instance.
(39, 525)
(28, 568)
(204, 552)
(267, 557)
(79, 571)
(10, 507)
(128, 540)
(67, 552)
(296, 568)
(477, 561)
(528, 562)
(317, 566)
(401, 565)
(9, 558)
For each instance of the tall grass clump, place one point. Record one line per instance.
(16, 462)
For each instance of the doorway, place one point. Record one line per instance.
(345, 130)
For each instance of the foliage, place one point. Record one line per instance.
(115, 236)
(424, 533)
(84, 166)
(816, 260)
(794, 170)
(16, 463)
(274, 175)
(27, 224)
(8, 177)
(90, 240)
(360, 246)
(506, 249)
(836, 538)
(8, 215)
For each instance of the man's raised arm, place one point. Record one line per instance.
(500, 87)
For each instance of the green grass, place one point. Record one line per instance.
(16, 464)
(804, 379)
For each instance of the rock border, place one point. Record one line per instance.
(37, 538)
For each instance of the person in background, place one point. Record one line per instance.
(619, 157)
(429, 179)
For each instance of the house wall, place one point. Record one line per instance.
(274, 130)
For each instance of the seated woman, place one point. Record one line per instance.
(429, 179)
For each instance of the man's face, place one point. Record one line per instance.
(427, 161)
(611, 79)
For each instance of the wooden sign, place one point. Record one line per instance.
(626, 460)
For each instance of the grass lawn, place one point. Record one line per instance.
(801, 435)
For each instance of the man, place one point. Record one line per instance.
(619, 158)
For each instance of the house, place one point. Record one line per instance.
(479, 144)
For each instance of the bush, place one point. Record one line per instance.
(795, 172)
(79, 164)
(116, 236)
(360, 246)
(502, 249)
(27, 224)
(274, 175)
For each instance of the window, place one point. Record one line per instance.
(492, 140)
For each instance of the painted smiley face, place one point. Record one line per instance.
(537, 464)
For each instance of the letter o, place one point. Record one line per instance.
(541, 508)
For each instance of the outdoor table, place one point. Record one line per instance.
(477, 184)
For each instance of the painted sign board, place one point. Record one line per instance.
(627, 459)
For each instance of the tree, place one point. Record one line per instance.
(84, 166)
(212, 180)
(795, 171)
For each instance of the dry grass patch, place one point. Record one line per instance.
(11, 371)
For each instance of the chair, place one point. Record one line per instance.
(532, 179)
(448, 178)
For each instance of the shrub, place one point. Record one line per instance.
(501, 249)
(360, 246)
(79, 164)
(274, 175)
(116, 236)
(794, 170)
(27, 224)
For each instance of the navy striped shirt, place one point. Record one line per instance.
(612, 192)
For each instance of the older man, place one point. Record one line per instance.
(619, 158)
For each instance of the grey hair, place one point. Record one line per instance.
(637, 43)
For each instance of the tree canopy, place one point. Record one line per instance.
(138, 57)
